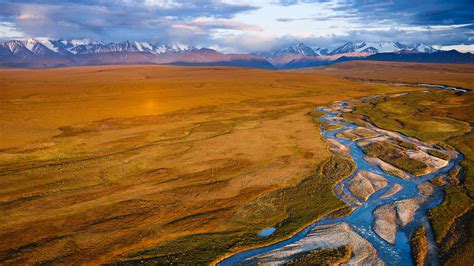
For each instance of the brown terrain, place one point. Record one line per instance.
(98, 163)
(116, 163)
(446, 74)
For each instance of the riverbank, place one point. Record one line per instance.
(371, 220)
(417, 116)
(436, 118)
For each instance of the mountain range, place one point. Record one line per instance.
(43, 52)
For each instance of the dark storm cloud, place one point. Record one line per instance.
(414, 12)
(405, 12)
(152, 20)
(433, 22)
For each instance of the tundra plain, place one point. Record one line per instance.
(117, 164)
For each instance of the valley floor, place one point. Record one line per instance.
(188, 164)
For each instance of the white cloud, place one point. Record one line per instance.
(464, 48)
(221, 23)
(237, 25)
(8, 31)
(247, 42)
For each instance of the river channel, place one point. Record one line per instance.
(360, 222)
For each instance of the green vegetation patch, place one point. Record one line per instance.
(325, 256)
(330, 127)
(395, 156)
(465, 144)
(286, 209)
(343, 212)
(413, 115)
(441, 117)
(460, 245)
(365, 133)
(439, 181)
(355, 119)
(439, 154)
(407, 145)
(455, 204)
(316, 115)
(347, 135)
(419, 246)
(453, 175)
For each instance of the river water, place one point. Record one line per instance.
(361, 220)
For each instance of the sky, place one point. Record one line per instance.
(241, 25)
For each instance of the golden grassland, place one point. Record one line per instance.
(460, 75)
(444, 118)
(122, 163)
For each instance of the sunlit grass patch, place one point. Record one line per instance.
(419, 246)
(439, 154)
(395, 156)
(285, 209)
(324, 256)
(455, 204)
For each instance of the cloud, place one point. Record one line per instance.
(242, 25)
(433, 22)
(411, 12)
(220, 23)
(408, 12)
(258, 42)
(319, 17)
(248, 42)
(465, 48)
(296, 2)
(8, 31)
(149, 20)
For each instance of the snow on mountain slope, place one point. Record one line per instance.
(300, 53)
(422, 48)
(349, 47)
(299, 49)
(43, 52)
(352, 47)
(17, 48)
(47, 43)
(58, 53)
(381, 47)
(282, 56)
(43, 46)
(320, 51)
(29, 44)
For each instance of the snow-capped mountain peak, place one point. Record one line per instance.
(422, 48)
(179, 47)
(47, 52)
(381, 47)
(297, 49)
(49, 47)
(302, 49)
(320, 51)
(29, 44)
(47, 43)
